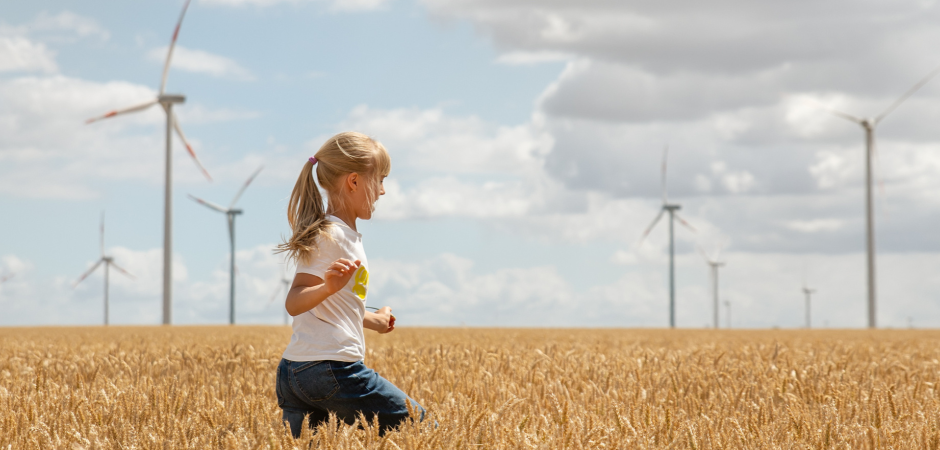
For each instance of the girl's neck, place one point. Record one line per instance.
(348, 218)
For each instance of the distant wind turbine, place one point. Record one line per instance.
(230, 214)
(714, 263)
(671, 209)
(283, 286)
(808, 292)
(108, 262)
(167, 101)
(869, 125)
(6, 277)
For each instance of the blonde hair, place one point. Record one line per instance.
(343, 154)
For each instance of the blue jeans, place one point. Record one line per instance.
(317, 388)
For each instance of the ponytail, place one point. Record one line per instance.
(306, 217)
(348, 152)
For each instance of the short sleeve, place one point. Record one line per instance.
(328, 250)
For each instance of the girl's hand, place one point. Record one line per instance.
(339, 274)
(387, 320)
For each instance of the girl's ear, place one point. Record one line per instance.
(352, 181)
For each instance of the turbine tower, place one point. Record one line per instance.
(108, 262)
(714, 263)
(728, 310)
(808, 292)
(166, 101)
(868, 126)
(671, 208)
(230, 214)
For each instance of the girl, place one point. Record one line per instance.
(322, 371)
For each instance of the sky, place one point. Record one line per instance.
(526, 138)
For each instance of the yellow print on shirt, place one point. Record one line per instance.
(362, 283)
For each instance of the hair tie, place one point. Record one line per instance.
(313, 160)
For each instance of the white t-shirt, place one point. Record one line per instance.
(333, 329)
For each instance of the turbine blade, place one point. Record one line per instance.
(244, 186)
(169, 52)
(88, 272)
(118, 112)
(684, 223)
(208, 204)
(655, 221)
(189, 148)
(4, 278)
(907, 94)
(121, 269)
(664, 186)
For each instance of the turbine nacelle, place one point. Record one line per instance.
(171, 98)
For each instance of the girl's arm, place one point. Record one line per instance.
(382, 320)
(308, 290)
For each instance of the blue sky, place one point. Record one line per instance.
(526, 140)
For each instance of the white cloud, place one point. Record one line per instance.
(432, 140)
(65, 27)
(764, 290)
(200, 61)
(69, 22)
(446, 166)
(815, 226)
(19, 54)
(719, 86)
(11, 264)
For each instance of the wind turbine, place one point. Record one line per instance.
(808, 292)
(714, 264)
(671, 208)
(166, 101)
(283, 287)
(868, 125)
(230, 214)
(108, 262)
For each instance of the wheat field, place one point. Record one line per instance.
(213, 387)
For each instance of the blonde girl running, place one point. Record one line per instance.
(322, 369)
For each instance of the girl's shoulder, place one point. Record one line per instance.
(328, 248)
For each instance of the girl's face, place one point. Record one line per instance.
(362, 193)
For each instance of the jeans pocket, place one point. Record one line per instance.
(314, 380)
